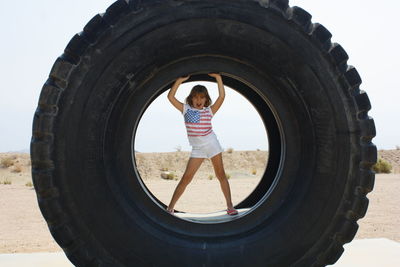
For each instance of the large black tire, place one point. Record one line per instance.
(314, 188)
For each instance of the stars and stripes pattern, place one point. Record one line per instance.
(198, 122)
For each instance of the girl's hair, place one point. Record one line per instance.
(198, 89)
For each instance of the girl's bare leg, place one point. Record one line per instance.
(192, 166)
(220, 173)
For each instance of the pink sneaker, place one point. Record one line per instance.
(232, 211)
(170, 212)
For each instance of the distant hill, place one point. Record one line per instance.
(22, 151)
(390, 155)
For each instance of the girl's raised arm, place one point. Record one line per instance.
(171, 95)
(221, 90)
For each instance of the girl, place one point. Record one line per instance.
(197, 113)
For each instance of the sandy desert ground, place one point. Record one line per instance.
(23, 229)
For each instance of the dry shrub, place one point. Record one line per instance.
(6, 182)
(17, 168)
(382, 166)
(171, 176)
(168, 175)
(6, 162)
(229, 150)
(29, 184)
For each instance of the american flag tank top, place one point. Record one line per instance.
(198, 122)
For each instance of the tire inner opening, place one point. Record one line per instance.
(161, 151)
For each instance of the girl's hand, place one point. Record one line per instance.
(182, 79)
(214, 75)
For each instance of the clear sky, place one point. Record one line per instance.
(34, 34)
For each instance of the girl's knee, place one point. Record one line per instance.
(221, 176)
(186, 179)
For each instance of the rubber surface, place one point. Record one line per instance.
(313, 190)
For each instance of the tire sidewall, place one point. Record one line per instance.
(96, 124)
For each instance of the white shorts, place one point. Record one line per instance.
(208, 150)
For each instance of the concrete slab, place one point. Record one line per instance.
(370, 253)
(35, 260)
